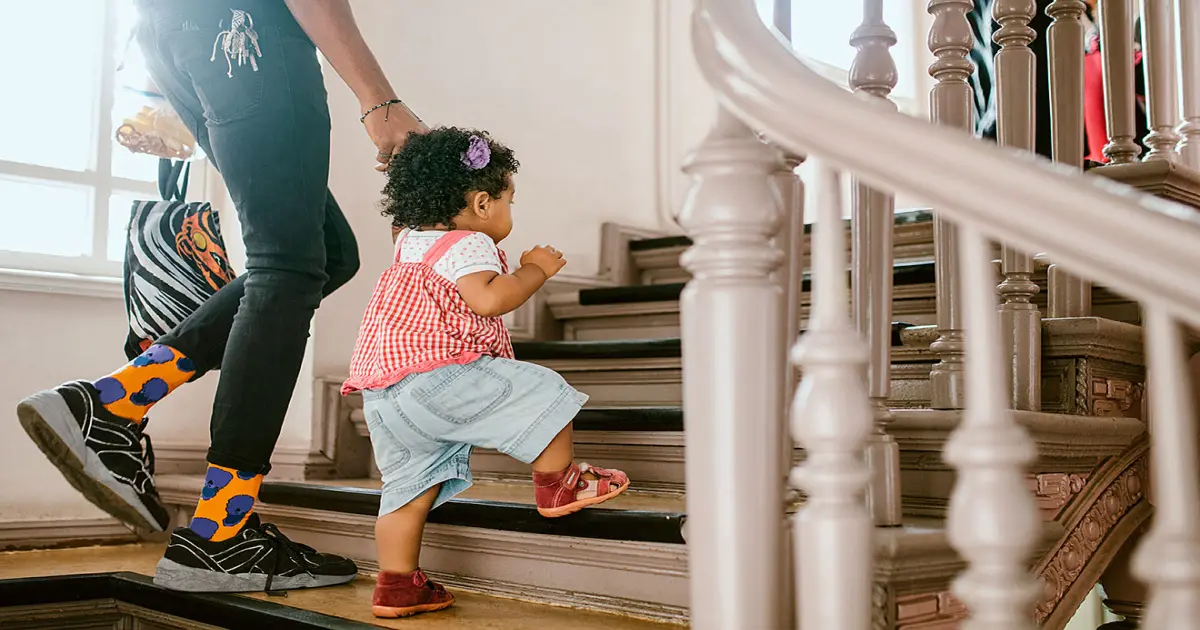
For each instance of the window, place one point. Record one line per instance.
(821, 33)
(65, 185)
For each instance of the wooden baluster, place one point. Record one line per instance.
(872, 217)
(1187, 22)
(1168, 561)
(1016, 107)
(1116, 50)
(993, 520)
(1162, 94)
(952, 104)
(1068, 296)
(832, 420)
(791, 278)
(733, 369)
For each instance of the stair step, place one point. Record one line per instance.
(903, 217)
(663, 348)
(904, 274)
(72, 587)
(625, 349)
(630, 419)
(498, 506)
(611, 558)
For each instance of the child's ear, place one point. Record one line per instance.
(481, 204)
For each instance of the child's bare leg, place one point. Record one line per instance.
(398, 534)
(558, 454)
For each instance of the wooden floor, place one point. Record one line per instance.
(351, 601)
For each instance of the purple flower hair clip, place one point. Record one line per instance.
(477, 155)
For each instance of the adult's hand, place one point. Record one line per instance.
(388, 128)
(331, 26)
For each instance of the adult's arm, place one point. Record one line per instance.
(331, 26)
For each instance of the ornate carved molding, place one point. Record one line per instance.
(1055, 490)
(932, 611)
(1097, 523)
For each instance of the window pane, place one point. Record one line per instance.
(51, 82)
(132, 82)
(45, 218)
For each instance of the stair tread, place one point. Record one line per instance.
(350, 603)
(628, 349)
(508, 490)
(643, 516)
(902, 217)
(663, 348)
(903, 274)
(629, 419)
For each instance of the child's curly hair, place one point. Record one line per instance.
(428, 182)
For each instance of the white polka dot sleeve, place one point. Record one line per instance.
(472, 254)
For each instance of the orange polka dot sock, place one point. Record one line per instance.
(132, 390)
(225, 502)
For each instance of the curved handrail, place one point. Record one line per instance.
(1142, 246)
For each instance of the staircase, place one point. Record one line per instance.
(621, 347)
(1000, 435)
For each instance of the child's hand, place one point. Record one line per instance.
(546, 258)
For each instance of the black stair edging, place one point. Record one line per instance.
(630, 419)
(904, 217)
(216, 609)
(666, 348)
(903, 274)
(626, 349)
(595, 523)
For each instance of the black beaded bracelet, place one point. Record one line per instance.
(388, 105)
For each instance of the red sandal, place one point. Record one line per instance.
(408, 594)
(566, 492)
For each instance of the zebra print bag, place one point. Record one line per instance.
(175, 259)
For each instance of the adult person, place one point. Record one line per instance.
(244, 77)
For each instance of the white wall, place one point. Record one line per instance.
(572, 87)
(48, 339)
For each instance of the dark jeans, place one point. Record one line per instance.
(267, 132)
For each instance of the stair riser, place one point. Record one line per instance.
(911, 241)
(661, 320)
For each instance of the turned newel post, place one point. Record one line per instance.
(871, 220)
(733, 374)
(1068, 295)
(1016, 85)
(1187, 22)
(951, 104)
(1116, 51)
(1162, 94)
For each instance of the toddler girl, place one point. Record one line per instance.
(435, 363)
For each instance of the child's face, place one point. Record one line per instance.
(490, 216)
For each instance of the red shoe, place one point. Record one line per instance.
(408, 594)
(579, 486)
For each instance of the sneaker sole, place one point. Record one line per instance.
(47, 419)
(390, 612)
(177, 577)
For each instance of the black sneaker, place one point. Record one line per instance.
(258, 558)
(100, 454)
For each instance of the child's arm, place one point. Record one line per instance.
(490, 294)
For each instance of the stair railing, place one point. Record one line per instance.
(1143, 247)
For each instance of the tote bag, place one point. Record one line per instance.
(175, 259)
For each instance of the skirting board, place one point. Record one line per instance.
(63, 532)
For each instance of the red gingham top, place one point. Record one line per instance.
(417, 321)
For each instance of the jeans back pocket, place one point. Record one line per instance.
(461, 394)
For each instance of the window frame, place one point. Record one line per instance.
(98, 177)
